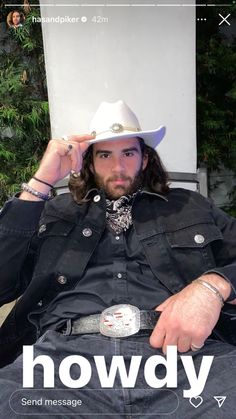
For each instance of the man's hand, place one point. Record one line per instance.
(62, 156)
(188, 317)
(58, 160)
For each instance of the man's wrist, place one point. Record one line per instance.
(217, 281)
(37, 186)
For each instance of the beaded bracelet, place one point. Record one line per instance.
(212, 289)
(27, 188)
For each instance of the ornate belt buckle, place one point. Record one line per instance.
(120, 320)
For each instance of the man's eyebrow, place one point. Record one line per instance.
(125, 150)
(103, 151)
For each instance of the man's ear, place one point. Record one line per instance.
(145, 161)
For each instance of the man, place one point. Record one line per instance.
(88, 261)
(15, 19)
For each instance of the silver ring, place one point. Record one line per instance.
(69, 148)
(74, 174)
(65, 138)
(195, 347)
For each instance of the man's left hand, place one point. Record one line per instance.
(188, 317)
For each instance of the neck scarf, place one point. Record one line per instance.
(118, 213)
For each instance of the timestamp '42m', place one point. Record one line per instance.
(100, 19)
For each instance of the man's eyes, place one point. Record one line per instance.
(104, 155)
(107, 155)
(129, 153)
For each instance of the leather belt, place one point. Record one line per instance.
(116, 321)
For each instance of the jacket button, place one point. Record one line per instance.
(199, 239)
(62, 279)
(42, 228)
(97, 198)
(87, 232)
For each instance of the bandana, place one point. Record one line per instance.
(118, 213)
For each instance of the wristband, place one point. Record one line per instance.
(212, 289)
(42, 181)
(25, 187)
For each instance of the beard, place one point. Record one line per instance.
(115, 192)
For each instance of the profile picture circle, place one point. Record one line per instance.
(15, 19)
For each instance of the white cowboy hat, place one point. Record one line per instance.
(114, 121)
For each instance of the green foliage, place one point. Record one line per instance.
(24, 112)
(231, 209)
(216, 92)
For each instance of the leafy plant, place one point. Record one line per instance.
(216, 93)
(24, 111)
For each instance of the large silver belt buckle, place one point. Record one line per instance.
(120, 320)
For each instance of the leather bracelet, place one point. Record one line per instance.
(211, 288)
(42, 181)
(27, 188)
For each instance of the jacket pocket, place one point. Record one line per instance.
(194, 236)
(192, 247)
(61, 228)
(54, 239)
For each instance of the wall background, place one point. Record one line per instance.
(142, 54)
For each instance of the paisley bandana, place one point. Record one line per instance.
(118, 213)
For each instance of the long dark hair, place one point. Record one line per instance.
(154, 176)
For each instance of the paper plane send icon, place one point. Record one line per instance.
(220, 400)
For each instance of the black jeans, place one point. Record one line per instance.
(93, 401)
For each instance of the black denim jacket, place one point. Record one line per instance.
(183, 236)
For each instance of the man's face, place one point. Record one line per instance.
(117, 166)
(16, 18)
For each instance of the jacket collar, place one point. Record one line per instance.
(144, 191)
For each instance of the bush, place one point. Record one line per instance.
(24, 111)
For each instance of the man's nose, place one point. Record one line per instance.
(118, 164)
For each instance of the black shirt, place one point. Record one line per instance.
(117, 273)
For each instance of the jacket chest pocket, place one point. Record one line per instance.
(54, 238)
(192, 248)
(64, 252)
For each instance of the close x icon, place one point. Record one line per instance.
(224, 19)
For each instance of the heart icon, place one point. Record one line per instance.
(196, 401)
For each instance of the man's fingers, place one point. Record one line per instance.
(196, 345)
(75, 160)
(157, 337)
(80, 145)
(80, 138)
(160, 339)
(83, 147)
(73, 150)
(170, 339)
(68, 149)
(184, 343)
